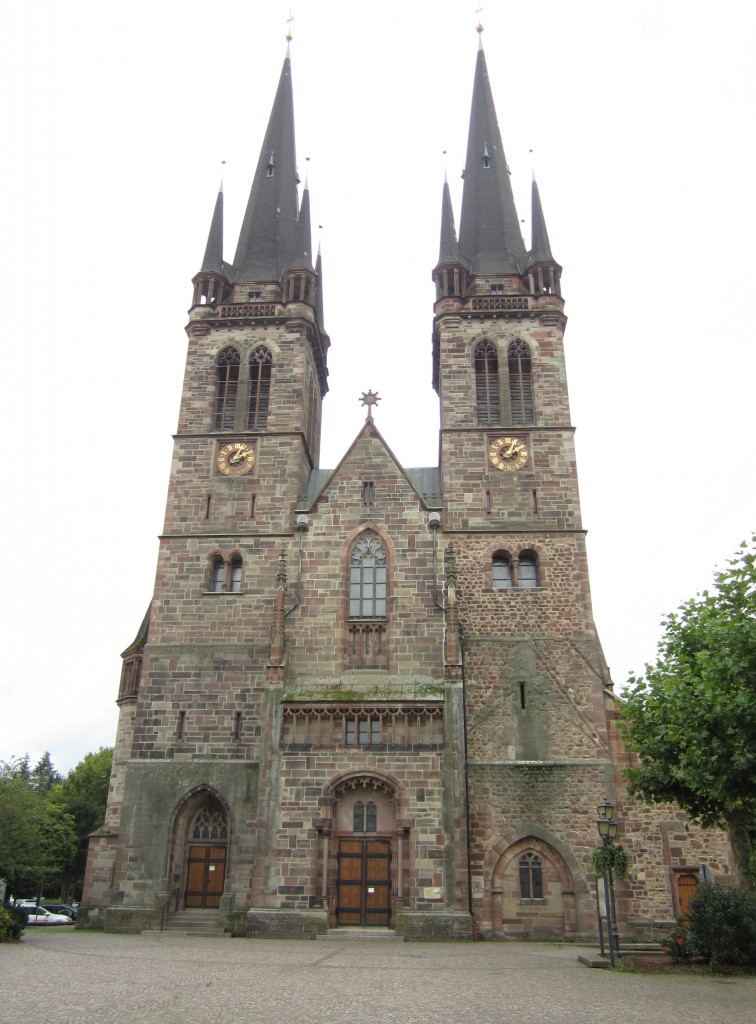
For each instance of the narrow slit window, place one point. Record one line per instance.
(181, 725)
(237, 726)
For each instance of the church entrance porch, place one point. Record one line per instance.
(364, 882)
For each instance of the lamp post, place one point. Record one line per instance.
(607, 829)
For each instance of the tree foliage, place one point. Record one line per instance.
(45, 820)
(691, 717)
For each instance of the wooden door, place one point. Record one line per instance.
(205, 876)
(364, 884)
(686, 887)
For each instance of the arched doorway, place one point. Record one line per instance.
(365, 869)
(201, 847)
(532, 893)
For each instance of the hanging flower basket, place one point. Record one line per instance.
(610, 858)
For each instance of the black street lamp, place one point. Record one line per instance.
(607, 829)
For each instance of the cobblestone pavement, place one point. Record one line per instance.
(68, 977)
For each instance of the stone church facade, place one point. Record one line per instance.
(374, 696)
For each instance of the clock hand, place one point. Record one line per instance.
(237, 456)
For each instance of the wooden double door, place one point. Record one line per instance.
(364, 882)
(205, 875)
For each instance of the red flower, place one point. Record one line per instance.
(679, 942)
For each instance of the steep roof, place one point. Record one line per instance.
(489, 234)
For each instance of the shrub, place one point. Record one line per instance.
(721, 925)
(677, 945)
(12, 923)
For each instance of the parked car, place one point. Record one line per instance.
(39, 915)
(61, 908)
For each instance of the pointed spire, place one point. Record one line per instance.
(540, 249)
(268, 237)
(448, 250)
(489, 234)
(213, 260)
(303, 254)
(319, 294)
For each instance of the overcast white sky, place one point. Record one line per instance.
(115, 120)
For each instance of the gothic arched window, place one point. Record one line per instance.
(520, 382)
(367, 578)
(487, 383)
(210, 824)
(531, 877)
(260, 363)
(227, 381)
(365, 816)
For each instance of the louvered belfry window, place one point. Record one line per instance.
(487, 383)
(520, 382)
(227, 376)
(260, 363)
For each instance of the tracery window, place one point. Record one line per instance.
(487, 383)
(531, 877)
(365, 816)
(227, 386)
(520, 382)
(260, 363)
(210, 824)
(367, 578)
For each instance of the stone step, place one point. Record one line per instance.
(356, 934)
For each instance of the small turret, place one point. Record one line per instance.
(543, 272)
(211, 284)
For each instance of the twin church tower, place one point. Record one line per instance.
(374, 696)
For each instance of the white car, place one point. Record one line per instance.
(38, 915)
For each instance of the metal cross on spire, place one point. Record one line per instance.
(370, 398)
(289, 20)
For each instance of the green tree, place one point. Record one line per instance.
(83, 794)
(43, 775)
(37, 839)
(691, 717)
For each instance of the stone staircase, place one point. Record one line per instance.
(194, 922)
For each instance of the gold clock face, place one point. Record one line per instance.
(508, 453)
(236, 458)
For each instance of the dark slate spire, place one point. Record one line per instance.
(540, 250)
(213, 260)
(319, 294)
(489, 233)
(448, 250)
(267, 240)
(303, 252)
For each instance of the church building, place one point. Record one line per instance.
(374, 696)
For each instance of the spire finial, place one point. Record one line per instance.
(289, 20)
(479, 26)
(370, 398)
